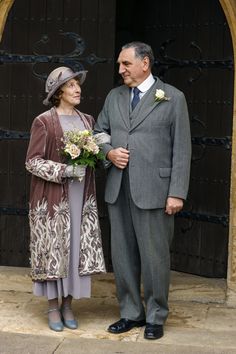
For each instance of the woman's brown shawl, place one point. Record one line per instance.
(49, 214)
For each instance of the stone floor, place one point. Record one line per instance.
(198, 316)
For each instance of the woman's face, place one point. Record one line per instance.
(71, 93)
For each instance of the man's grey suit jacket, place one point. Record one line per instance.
(157, 134)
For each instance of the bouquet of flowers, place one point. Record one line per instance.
(80, 148)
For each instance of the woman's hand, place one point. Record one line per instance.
(102, 138)
(75, 171)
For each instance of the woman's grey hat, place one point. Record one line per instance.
(58, 77)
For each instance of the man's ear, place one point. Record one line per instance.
(146, 63)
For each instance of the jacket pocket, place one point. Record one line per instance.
(165, 171)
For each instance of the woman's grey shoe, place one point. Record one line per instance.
(55, 326)
(71, 324)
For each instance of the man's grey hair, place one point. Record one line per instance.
(141, 50)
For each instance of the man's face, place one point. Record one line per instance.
(132, 69)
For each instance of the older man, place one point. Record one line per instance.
(147, 182)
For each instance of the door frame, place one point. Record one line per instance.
(5, 6)
(229, 8)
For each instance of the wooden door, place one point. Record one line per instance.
(41, 35)
(193, 51)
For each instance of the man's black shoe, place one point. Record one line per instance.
(124, 325)
(153, 331)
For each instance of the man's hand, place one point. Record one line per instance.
(119, 157)
(173, 205)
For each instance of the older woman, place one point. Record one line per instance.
(63, 208)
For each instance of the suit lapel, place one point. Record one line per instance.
(124, 104)
(146, 105)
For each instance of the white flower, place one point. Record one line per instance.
(91, 146)
(72, 150)
(85, 132)
(160, 96)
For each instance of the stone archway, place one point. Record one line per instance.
(5, 6)
(229, 8)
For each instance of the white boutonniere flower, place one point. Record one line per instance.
(160, 96)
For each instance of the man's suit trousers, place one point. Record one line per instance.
(140, 241)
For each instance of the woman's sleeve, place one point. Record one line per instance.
(36, 163)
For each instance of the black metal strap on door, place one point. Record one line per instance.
(14, 211)
(198, 62)
(74, 59)
(13, 135)
(224, 142)
(215, 219)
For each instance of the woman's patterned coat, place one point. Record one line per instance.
(49, 213)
